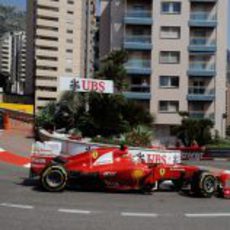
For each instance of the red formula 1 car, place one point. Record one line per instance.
(118, 169)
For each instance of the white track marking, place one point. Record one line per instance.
(27, 165)
(75, 211)
(207, 215)
(2, 150)
(9, 205)
(139, 214)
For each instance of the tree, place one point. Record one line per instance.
(45, 117)
(11, 19)
(112, 68)
(104, 116)
(112, 115)
(194, 129)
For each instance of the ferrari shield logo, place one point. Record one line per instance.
(95, 154)
(162, 171)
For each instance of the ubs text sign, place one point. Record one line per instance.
(85, 85)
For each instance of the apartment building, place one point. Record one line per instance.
(177, 58)
(12, 60)
(228, 91)
(5, 53)
(60, 40)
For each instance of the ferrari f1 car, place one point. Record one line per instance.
(116, 168)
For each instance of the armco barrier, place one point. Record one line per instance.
(217, 153)
(191, 153)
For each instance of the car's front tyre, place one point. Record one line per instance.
(203, 184)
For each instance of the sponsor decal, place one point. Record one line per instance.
(109, 174)
(162, 171)
(95, 154)
(137, 174)
(156, 158)
(86, 85)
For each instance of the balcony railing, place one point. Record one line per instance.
(201, 115)
(138, 13)
(202, 41)
(140, 88)
(203, 19)
(138, 38)
(138, 66)
(202, 16)
(138, 17)
(138, 42)
(200, 65)
(201, 94)
(138, 63)
(201, 91)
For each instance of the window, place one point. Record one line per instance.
(168, 106)
(69, 31)
(70, 2)
(46, 78)
(48, 18)
(46, 88)
(169, 57)
(55, 9)
(68, 40)
(197, 107)
(47, 48)
(47, 58)
(45, 99)
(69, 60)
(69, 12)
(168, 32)
(170, 7)
(68, 70)
(47, 68)
(169, 81)
(47, 28)
(69, 51)
(47, 38)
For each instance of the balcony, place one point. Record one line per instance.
(138, 42)
(202, 45)
(200, 94)
(138, 91)
(138, 66)
(202, 19)
(203, 0)
(201, 68)
(201, 115)
(138, 17)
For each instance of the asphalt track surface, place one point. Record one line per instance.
(24, 206)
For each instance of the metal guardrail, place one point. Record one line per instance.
(21, 116)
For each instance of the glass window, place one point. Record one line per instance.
(170, 7)
(169, 81)
(169, 57)
(169, 106)
(168, 32)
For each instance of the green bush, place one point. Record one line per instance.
(139, 136)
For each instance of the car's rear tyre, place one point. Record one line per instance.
(54, 178)
(203, 184)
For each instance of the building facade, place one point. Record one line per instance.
(12, 60)
(176, 56)
(59, 45)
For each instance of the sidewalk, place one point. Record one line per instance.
(17, 141)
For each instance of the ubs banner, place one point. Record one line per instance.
(85, 85)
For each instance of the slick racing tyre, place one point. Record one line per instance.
(54, 178)
(203, 184)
